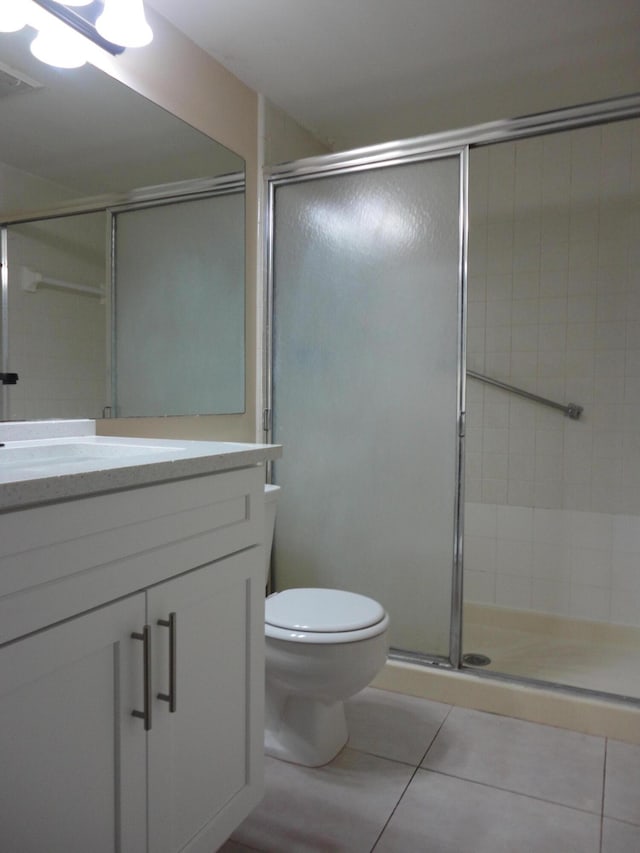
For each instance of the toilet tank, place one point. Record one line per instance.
(270, 504)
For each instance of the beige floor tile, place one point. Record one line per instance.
(392, 725)
(622, 782)
(440, 814)
(620, 837)
(341, 807)
(540, 761)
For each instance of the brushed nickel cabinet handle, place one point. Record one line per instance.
(171, 696)
(145, 714)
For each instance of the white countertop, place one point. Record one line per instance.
(42, 469)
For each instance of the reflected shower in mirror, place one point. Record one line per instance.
(81, 157)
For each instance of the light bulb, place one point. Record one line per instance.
(74, 2)
(13, 16)
(123, 22)
(59, 45)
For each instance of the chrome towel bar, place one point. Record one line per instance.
(571, 410)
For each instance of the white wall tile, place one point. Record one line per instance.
(495, 466)
(521, 467)
(479, 587)
(548, 469)
(625, 571)
(552, 310)
(577, 469)
(611, 336)
(513, 591)
(552, 337)
(514, 557)
(520, 492)
(626, 534)
(522, 441)
(625, 607)
(494, 491)
(515, 523)
(551, 527)
(550, 596)
(548, 494)
(591, 566)
(524, 338)
(480, 519)
(589, 602)
(480, 553)
(591, 530)
(551, 562)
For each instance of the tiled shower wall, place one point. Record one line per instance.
(554, 308)
(585, 565)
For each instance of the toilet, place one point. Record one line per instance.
(322, 647)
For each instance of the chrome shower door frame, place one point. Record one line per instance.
(377, 157)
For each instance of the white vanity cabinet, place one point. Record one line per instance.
(73, 758)
(81, 767)
(201, 756)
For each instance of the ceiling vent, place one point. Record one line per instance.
(13, 82)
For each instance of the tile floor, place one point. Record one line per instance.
(422, 776)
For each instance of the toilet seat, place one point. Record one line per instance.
(323, 616)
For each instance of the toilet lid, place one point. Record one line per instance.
(322, 610)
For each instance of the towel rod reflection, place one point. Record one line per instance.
(30, 281)
(571, 410)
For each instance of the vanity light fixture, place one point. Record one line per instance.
(59, 45)
(112, 25)
(123, 22)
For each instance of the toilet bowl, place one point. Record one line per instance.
(322, 647)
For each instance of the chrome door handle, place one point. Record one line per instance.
(171, 696)
(145, 714)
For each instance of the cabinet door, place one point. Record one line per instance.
(66, 732)
(206, 758)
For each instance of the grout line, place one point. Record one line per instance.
(413, 775)
(604, 784)
(393, 810)
(446, 717)
(511, 791)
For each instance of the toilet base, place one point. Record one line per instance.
(304, 731)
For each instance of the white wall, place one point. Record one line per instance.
(554, 308)
(286, 140)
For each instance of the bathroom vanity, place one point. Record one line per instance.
(131, 624)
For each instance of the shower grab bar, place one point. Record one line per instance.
(571, 410)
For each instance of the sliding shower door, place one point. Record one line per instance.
(365, 352)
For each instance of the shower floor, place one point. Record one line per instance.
(578, 653)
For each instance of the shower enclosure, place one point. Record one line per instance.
(453, 364)
(552, 546)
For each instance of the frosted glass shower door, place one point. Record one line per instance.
(179, 308)
(365, 366)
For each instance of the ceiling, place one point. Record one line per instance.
(362, 71)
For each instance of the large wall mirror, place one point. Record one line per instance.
(122, 242)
